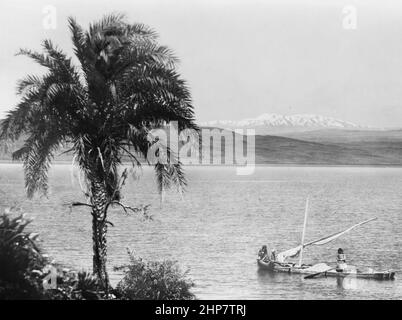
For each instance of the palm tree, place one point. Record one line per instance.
(124, 85)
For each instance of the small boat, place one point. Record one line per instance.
(319, 269)
(327, 270)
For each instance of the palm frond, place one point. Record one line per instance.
(78, 38)
(37, 155)
(21, 153)
(169, 175)
(107, 22)
(139, 30)
(40, 58)
(16, 120)
(30, 82)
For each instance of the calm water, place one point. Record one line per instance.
(223, 219)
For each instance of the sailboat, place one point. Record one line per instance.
(319, 269)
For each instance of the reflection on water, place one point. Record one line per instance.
(216, 230)
(347, 283)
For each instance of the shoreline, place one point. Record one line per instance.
(284, 165)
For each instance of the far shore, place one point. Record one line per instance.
(306, 165)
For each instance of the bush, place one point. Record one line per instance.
(19, 257)
(23, 268)
(74, 286)
(153, 281)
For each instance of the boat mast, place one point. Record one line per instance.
(303, 234)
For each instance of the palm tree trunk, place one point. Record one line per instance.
(99, 231)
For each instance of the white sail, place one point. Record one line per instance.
(291, 253)
(294, 252)
(304, 233)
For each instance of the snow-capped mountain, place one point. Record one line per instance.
(272, 122)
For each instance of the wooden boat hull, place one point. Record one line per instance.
(307, 269)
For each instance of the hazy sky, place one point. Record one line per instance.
(245, 58)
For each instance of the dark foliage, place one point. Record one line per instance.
(153, 281)
(23, 268)
(20, 256)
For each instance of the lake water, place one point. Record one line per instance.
(216, 229)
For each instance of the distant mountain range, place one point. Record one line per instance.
(324, 147)
(272, 123)
(331, 147)
(301, 140)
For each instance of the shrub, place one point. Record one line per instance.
(23, 268)
(19, 257)
(153, 281)
(75, 286)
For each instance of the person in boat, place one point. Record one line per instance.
(341, 261)
(263, 253)
(274, 256)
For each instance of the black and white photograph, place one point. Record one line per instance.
(201, 150)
